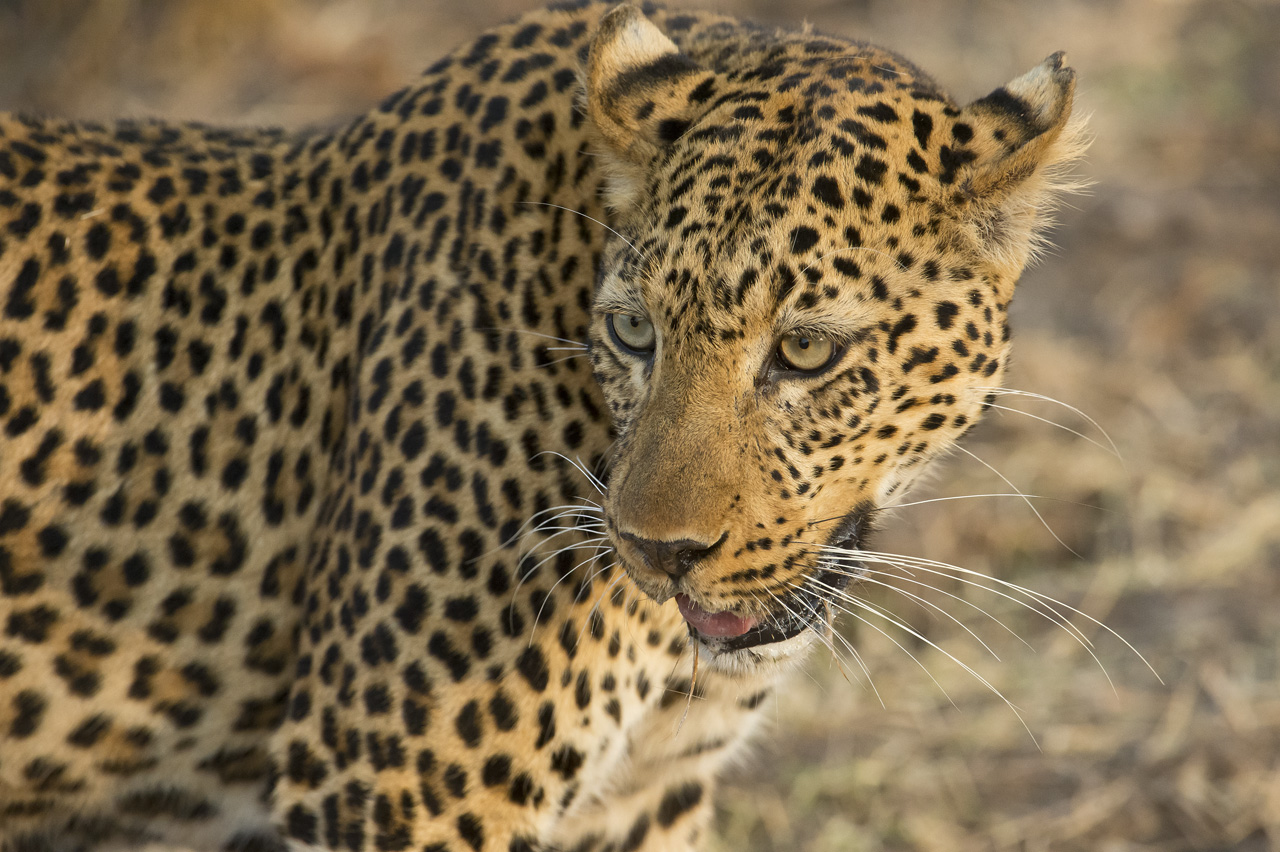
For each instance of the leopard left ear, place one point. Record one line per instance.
(642, 94)
(1006, 181)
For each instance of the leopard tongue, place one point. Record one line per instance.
(718, 625)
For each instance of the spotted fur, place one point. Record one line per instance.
(288, 447)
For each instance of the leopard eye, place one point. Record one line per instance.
(806, 353)
(633, 333)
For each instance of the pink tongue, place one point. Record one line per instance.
(715, 624)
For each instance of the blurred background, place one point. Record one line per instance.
(1157, 315)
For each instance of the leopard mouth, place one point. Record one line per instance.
(808, 606)
(726, 631)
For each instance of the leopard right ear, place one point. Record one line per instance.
(642, 94)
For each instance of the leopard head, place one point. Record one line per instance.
(802, 303)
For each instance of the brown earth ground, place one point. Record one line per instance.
(1156, 315)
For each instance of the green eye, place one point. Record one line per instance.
(631, 332)
(806, 353)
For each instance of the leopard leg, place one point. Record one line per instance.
(661, 797)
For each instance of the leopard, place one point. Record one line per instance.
(468, 475)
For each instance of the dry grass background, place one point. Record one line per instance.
(1157, 315)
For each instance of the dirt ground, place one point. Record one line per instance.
(1157, 316)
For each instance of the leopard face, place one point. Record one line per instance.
(801, 306)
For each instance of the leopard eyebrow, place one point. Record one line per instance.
(625, 302)
(843, 331)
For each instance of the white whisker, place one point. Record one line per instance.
(589, 525)
(857, 658)
(1049, 603)
(591, 476)
(1067, 406)
(1098, 444)
(953, 596)
(896, 623)
(571, 343)
(828, 639)
(601, 551)
(595, 481)
(1044, 608)
(586, 506)
(922, 638)
(925, 602)
(586, 621)
(973, 496)
(1024, 497)
(562, 360)
(595, 541)
(628, 242)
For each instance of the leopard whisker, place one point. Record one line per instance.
(583, 520)
(577, 465)
(1041, 609)
(1044, 605)
(973, 496)
(944, 592)
(592, 532)
(601, 551)
(1112, 450)
(580, 511)
(591, 476)
(571, 343)
(562, 360)
(586, 622)
(1025, 499)
(868, 606)
(556, 531)
(585, 506)
(863, 572)
(824, 638)
(930, 605)
(828, 639)
(878, 611)
(628, 242)
(857, 658)
(1067, 406)
(1044, 608)
(781, 600)
(590, 542)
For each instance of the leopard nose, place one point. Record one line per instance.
(674, 558)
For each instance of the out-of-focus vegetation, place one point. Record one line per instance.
(1157, 315)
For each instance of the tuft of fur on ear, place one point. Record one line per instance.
(641, 94)
(1025, 145)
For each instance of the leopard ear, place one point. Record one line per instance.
(641, 94)
(1023, 143)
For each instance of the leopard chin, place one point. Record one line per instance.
(778, 656)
